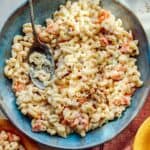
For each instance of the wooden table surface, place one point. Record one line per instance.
(142, 9)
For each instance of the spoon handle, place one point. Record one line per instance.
(32, 20)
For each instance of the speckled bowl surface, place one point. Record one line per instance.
(43, 9)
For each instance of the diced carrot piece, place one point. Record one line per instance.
(104, 41)
(82, 100)
(125, 100)
(84, 122)
(10, 137)
(103, 15)
(75, 123)
(36, 128)
(17, 86)
(116, 76)
(125, 48)
(120, 68)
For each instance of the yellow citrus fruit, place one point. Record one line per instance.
(142, 138)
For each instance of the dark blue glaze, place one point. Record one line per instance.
(43, 9)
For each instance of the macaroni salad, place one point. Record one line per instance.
(95, 70)
(10, 141)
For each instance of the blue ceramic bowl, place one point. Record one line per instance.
(44, 8)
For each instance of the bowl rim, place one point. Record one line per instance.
(141, 103)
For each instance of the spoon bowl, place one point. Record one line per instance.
(44, 50)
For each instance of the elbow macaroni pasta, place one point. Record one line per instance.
(95, 75)
(9, 141)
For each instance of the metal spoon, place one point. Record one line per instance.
(41, 48)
